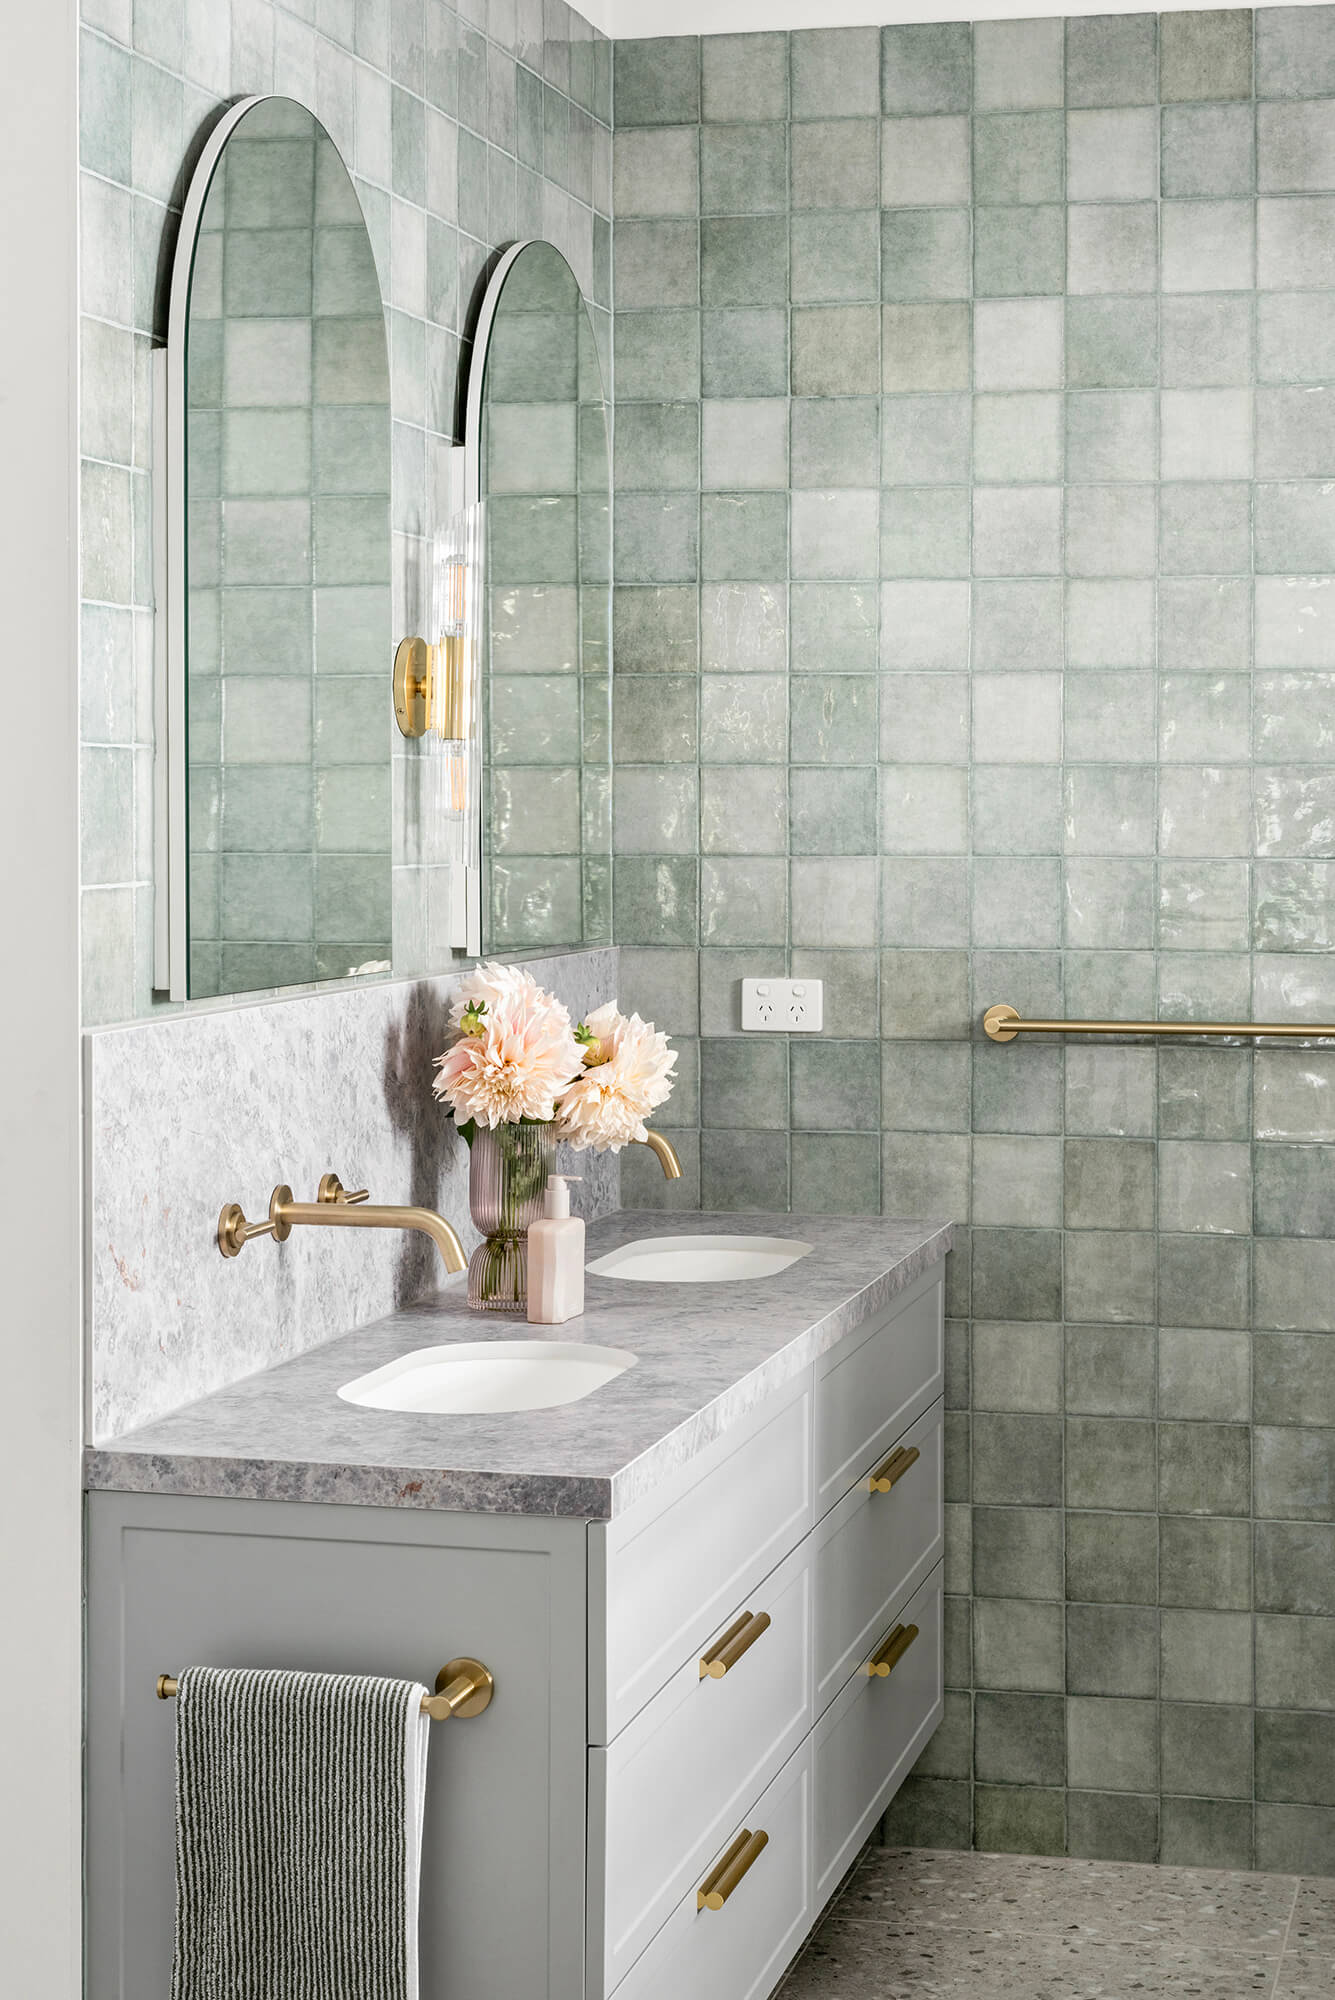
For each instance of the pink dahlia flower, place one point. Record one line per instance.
(628, 1072)
(515, 1052)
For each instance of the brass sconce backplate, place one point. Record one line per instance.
(412, 686)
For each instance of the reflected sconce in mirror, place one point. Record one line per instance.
(436, 702)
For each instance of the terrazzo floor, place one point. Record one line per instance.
(912, 1924)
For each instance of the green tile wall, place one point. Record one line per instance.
(463, 126)
(975, 641)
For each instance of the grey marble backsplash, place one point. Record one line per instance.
(190, 1111)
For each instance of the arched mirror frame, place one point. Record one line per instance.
(169, 483)
(473, 493)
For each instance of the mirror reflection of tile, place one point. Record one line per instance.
(289, 558)
(547, 728)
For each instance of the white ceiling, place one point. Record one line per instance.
(628, 19)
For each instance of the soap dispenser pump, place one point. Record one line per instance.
(556, 1258)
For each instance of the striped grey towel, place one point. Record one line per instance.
(299, 1803)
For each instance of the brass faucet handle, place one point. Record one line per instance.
(234, 1232)
(279, 1222)
(333, 1191)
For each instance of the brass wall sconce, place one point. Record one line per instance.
(431, 689)
(412, 686)
(437, 684)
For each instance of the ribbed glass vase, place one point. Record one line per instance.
(507, 1177)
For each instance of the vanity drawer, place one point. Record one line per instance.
(740, 1952)
(867, 1741)
(872, 1385)
(669, 1791)
(668, 1575)
(873, 1549)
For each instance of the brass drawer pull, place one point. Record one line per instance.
(891, 1651)
(723, 1878)
(738, 1639)
(898, 1463)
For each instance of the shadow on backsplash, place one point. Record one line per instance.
(412, 1044)
(193, 1110)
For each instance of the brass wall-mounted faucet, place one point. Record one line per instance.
(665, 1153)
(336, 1208)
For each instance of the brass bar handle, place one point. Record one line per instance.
(1003, 1024)
(464, 1687)
(738, 1639)
(723, 1878)
(899, 1462)
(332, 1190)
(891, 1651)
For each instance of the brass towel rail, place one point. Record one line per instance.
(464, 1687)
(1003, 1024)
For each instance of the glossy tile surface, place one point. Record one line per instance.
(1057, 606)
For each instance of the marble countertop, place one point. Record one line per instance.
(707, 1354)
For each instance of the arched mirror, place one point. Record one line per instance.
(274, 746)
(538, 461)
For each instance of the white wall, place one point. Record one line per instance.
(40, 1690)
(633, 18)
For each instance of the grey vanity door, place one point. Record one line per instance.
(174, 1582)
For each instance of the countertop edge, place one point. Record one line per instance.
(539, 1493)
(108, 1469)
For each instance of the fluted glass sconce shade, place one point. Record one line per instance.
(456, 762)
(437, 703)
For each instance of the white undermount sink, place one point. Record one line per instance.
(473, 1377)
(699, 1260)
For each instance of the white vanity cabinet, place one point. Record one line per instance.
(685, 1683)
(798, 1740)
(174, 1582)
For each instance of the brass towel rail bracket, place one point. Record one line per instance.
(1003, 1024)
(464, 1687)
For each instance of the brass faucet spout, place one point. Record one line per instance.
(337, 1208)
(665, 1153)
(369, 1215)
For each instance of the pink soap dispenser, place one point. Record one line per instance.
(556, 1258)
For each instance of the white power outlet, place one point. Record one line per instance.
(783, 1006)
